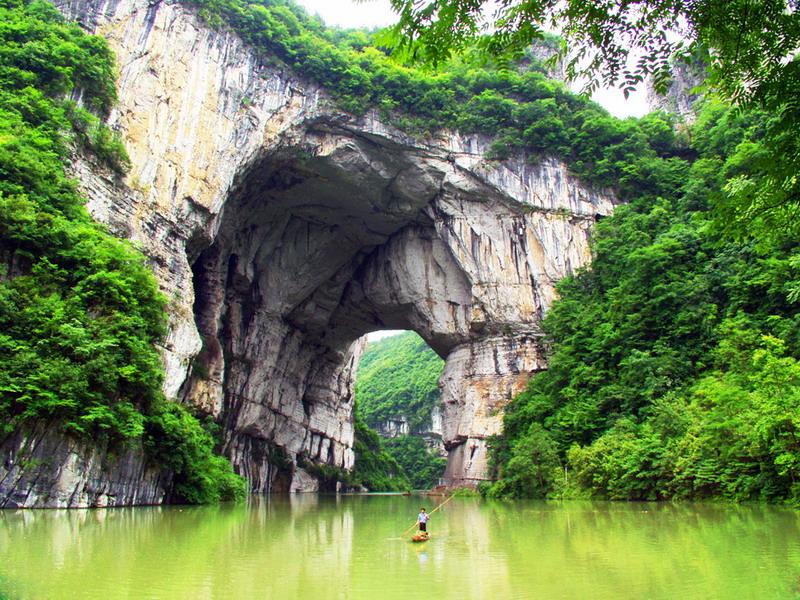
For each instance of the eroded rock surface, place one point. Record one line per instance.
(42, 468)
(684, 91)
(283, 230)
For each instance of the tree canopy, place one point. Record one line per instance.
(675, 356)
(398, 376)
(749, 48)
(747, 43)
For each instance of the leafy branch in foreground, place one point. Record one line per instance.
(750, 49)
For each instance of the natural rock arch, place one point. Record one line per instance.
(325, 241)
(282, 229)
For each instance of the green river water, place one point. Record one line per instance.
(348, 547)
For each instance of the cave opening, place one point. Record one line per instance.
(397, 396)
(308, 256)
(321, 244)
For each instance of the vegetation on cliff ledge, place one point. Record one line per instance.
(519, 108)
(748, 50)
(80, 312)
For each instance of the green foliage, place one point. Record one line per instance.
(764, 197)
(42, 60)
(80, 312)
(176, 440)
(673, 355)
(747, 43)
(422, 466)
(748, 48)
(375, 468)
(532, 469)
(466, 493)
(519, 107)
(398, 376)
(40, 51)
(733, 434)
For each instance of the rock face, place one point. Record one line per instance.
(42, 468)
(394, 427)
(283, 230)
(430, 432)
(683, 92)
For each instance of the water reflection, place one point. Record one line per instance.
(326, 547)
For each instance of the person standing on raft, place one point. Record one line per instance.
(422, 520)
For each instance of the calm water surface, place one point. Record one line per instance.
(348, 547)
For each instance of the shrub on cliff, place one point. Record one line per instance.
(176, 440)
(79, 310)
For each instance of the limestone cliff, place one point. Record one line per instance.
(283, 230)
(43, 468)
(430, 432)
(683, 93)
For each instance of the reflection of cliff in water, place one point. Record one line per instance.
(272, 545)
(308, 546)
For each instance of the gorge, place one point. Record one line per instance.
(282, 229)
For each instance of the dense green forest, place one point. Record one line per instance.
(80, 311)
(422, 465)
(375, 468)
(673, 369)
(399, 376)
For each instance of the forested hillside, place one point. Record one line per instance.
(397, 377)
(80, 311)
(376, 468)
(673, 370)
